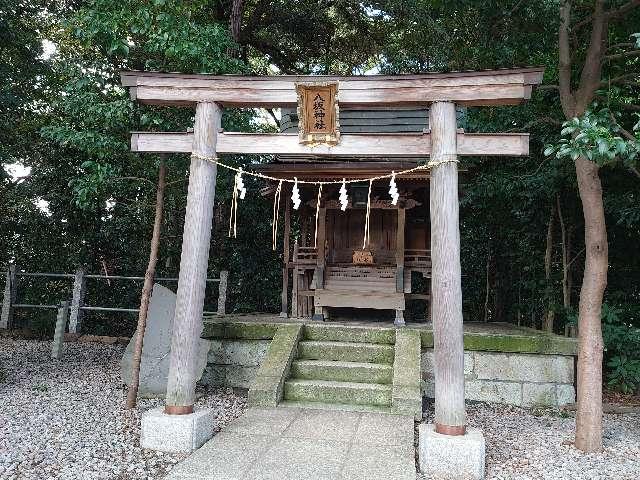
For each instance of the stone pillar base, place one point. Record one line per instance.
(447, 457)
(176, 433)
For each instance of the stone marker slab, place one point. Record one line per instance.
(154, 367)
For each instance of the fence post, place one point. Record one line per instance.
(61, 323)
(9, 298)
(222, 292)
(77, 302)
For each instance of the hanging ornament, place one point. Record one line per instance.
(365, 241)
(393, 189)
(240, 184)
(315, 241)
(239, 190)
(344, 199)
(295, 195)
(276, 215)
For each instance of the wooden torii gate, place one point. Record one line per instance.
(443, 144)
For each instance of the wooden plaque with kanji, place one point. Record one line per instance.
(318, 113)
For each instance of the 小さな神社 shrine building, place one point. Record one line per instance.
(392, 143)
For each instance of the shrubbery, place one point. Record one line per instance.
(622, 349)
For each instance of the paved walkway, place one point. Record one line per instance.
(300, 444)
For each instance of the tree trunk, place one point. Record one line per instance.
(590, 344)
(147, 288)
(487, 289)
(566, 294)
(566, 302)
(236, 20)
(550, 314)
(235, 25)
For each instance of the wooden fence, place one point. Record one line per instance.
(77, 303)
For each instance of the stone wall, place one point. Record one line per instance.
(234, 362)
(520, 379)
(503, 363)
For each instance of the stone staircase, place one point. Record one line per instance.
(348, 368)
(341, 367)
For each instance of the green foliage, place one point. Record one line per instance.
(595, 136)
(86, 187)
(622, 350)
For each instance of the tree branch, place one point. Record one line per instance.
(620, 45)
(619, 79)
(564, 61)
(590, 76)
(134, 178)
(619, 12)
(537, 121)
(616, 56)
(273, 115)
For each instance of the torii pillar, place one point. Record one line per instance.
(180, 428)
(447, 450)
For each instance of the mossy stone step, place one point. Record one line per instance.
(346, 351)
(337, 392)
(356, 372)
(343, 333)
(342, 407)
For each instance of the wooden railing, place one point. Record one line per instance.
(77, 303)
(417, 258)
(306, 256)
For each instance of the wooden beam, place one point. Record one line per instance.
(446, 291)
(187, 325)
(400, 249)
(284, 312)
(497, 87)
(351, 145)
(321, 238)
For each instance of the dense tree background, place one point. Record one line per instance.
(64, 116)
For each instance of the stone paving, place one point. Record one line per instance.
(303, 444)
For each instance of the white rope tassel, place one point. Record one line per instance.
(295, 194)
(393, 189)
(239, 190)
(234, 207)
(315, 241)
(343, 198)
(276, 214)
(365, 241)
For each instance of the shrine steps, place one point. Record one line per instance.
(350, 368)
(341, 367)
(345, 351)
(326, 391)
(357, 372)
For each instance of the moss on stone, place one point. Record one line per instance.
(525, 341)
(336, 333)
(239, 330)
(268, 385)
(406, 396)
(543, 344)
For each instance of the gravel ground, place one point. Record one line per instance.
(64, 419)
(535, 445)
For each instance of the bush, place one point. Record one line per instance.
(622, 350)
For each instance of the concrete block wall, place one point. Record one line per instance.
(520, 379)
